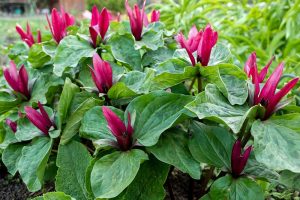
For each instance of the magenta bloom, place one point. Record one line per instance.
(192, 42)
(18, 81)
(238, 159)
(122, 133)
(207, 42)
(11, 124)
(59, 23)
(27, 36)
(40, 119)
(200, 41)
(155, 15)
(267, 95)
(136, 18)
(99, 24)
(251, 68)
(102, 74)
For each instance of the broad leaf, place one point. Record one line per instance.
(8, 102)
(234, 189)
(73, 122)
(211, 145)
(11, 156)
(54, 196)
(290, 179)
(122, 48)
(277, 142)
(151, 40)
(94, 125)
(72, 161)
(112, 173)
(156, 112)
(65, 100)
(219, 54)
(230, 80)
(69, 52)
(37, 57)
(212, 105)
(172, 148)
(148, 183)
(33, 162)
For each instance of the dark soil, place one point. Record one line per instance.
(13, 188)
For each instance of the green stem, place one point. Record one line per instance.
(246, 138)
(243, 129)
(191, 86)
(199, 84)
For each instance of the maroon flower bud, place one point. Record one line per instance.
(136, 18)
(17, 80)
(40, 119)
(155, 15)
(122, 133)
(99, 24)
(238, 159)
(101, 74)
(11, 124)
(59, 23)
(28, 36)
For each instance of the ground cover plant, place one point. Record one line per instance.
(107, 108)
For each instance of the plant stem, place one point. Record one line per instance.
(191, 86)
(246, 138)
(205, 180)
(243, 129)
(199, 84)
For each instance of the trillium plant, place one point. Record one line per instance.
(110, 109)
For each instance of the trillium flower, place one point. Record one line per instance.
(200, 41)
(99, 24)
(136, 18)
(59, 23)
(102, 74)
(28, 36)
(238, 159)
(267, 95)
(251, 68)
(155, 15)
(122, 133)
(12, 125)
(17, 80)
(40, 119)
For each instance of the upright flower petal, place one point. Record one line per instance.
(238, 160)
(103, 22)
(12, 125)
(95, 16)
(136, 18)
(23, 81)
(101, 74)
(250, 64)
(183, 43)
(155, 15)
(264, 71)
(45, 115)
(39, 36)
(36, 119)
(207, 42)
(118, 128)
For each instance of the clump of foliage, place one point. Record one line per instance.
(107, 109)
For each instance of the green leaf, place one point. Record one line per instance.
(122, 48)
(42, 88)
(234, 189)
(112, 173)
(151, 58)
(290, 179)
(49, 47)
(151, 40)
(212, 105)
(65, 100)
(172, 72)
(73, 122)
(211, 145)
(219, 54)
(7, 102)
(148, 183)
(54, 196)
(156, 112)
(94, 125)
(37, 57)
(230, 80)
(73, 48)
(72, 161)
(33, 162)
(276, 142)
(11, 156)
(27, 131)
(172, 148)
(131, 84)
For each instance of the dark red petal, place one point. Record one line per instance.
(115, 124)
(23, 81)
(45, 115)
(11, 124)
(264, 71)
(95, 16)
(250, 64)
(103, 22)
(35, 118)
